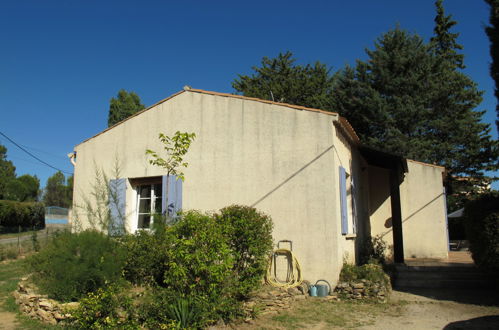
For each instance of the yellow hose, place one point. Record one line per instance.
(293, 277)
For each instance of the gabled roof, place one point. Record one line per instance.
(343, 122)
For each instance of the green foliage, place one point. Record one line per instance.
(373, 250)
(372, 272)
(74, 264)
(213, 260)
(493, 34)
(249, 234)
(482, 230)
(21, 214)
(145, 257)
(59, 191)
(106, 308)
(123, 106)
(410, 98)
(7, 172)
(280, 79)
(175, 148)
(24, 188)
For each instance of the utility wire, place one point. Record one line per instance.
(29, 153)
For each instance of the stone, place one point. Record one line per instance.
(46, 304)
(46, 316)
(70, 305)
(359, 285)
(58, 316)
(294, 291)
(300, 297)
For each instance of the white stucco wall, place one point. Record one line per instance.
(278, 159)
(422, 201)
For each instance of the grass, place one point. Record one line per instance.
(21, 234)
(339, 314)
(10, 274)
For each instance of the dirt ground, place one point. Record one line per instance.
(417, 310)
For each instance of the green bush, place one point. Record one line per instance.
(371, 272)
(72, 265)
(482, 230)
(24, 214)
(106, 308)
(249, 234)
(373, 250)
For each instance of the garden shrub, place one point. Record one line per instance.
(373, 250)
(482, 230)
(74, 264)
(21, 214)
(106, 308)
(145, 259)
(372, 272)
(249, 234)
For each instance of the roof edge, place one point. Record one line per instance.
(342, 121)
(426, 164)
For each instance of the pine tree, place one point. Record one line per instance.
(280, 79)
(123, 106)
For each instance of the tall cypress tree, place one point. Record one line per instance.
(123, 106)
(493, 34)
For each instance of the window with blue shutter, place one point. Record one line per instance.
(343, 201)
(117, 207)
(354, 205)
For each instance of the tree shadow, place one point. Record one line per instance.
(483, 322)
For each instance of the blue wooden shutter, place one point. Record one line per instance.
(343, 201)
(354, 205)
(117, 207)
(174, 196)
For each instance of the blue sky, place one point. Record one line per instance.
(62, 61)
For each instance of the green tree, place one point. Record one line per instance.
(7, 172)
(56, 191)
(410, 98)
(24, 188)
(493, 34)
(176, 148)
(123, 106)
(280, 79)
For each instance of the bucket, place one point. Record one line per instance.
(322, 289)
(313, 291)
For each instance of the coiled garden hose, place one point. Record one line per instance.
(293, 276)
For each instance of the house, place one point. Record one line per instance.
(305, 167)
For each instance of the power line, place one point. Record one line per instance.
(29, 153)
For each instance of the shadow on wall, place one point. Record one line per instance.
(380, 191)
(292, 176)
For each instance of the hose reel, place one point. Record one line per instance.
(293, 272)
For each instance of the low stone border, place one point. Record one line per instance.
(363, 289)
(38, 306)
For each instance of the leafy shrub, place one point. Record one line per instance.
(72, 265)
(24, 214)
(482, 230)
(249, 234)
(161, 310)
(145, 259)
(373, 250)
(372, 272)
(106, 308)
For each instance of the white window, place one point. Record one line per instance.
(149, 204)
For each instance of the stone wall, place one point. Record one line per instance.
(363, 289)
(38, 306)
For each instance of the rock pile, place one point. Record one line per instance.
(38, 306)
(363, 289)
(271, 300)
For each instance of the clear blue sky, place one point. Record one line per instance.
(62, 61)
